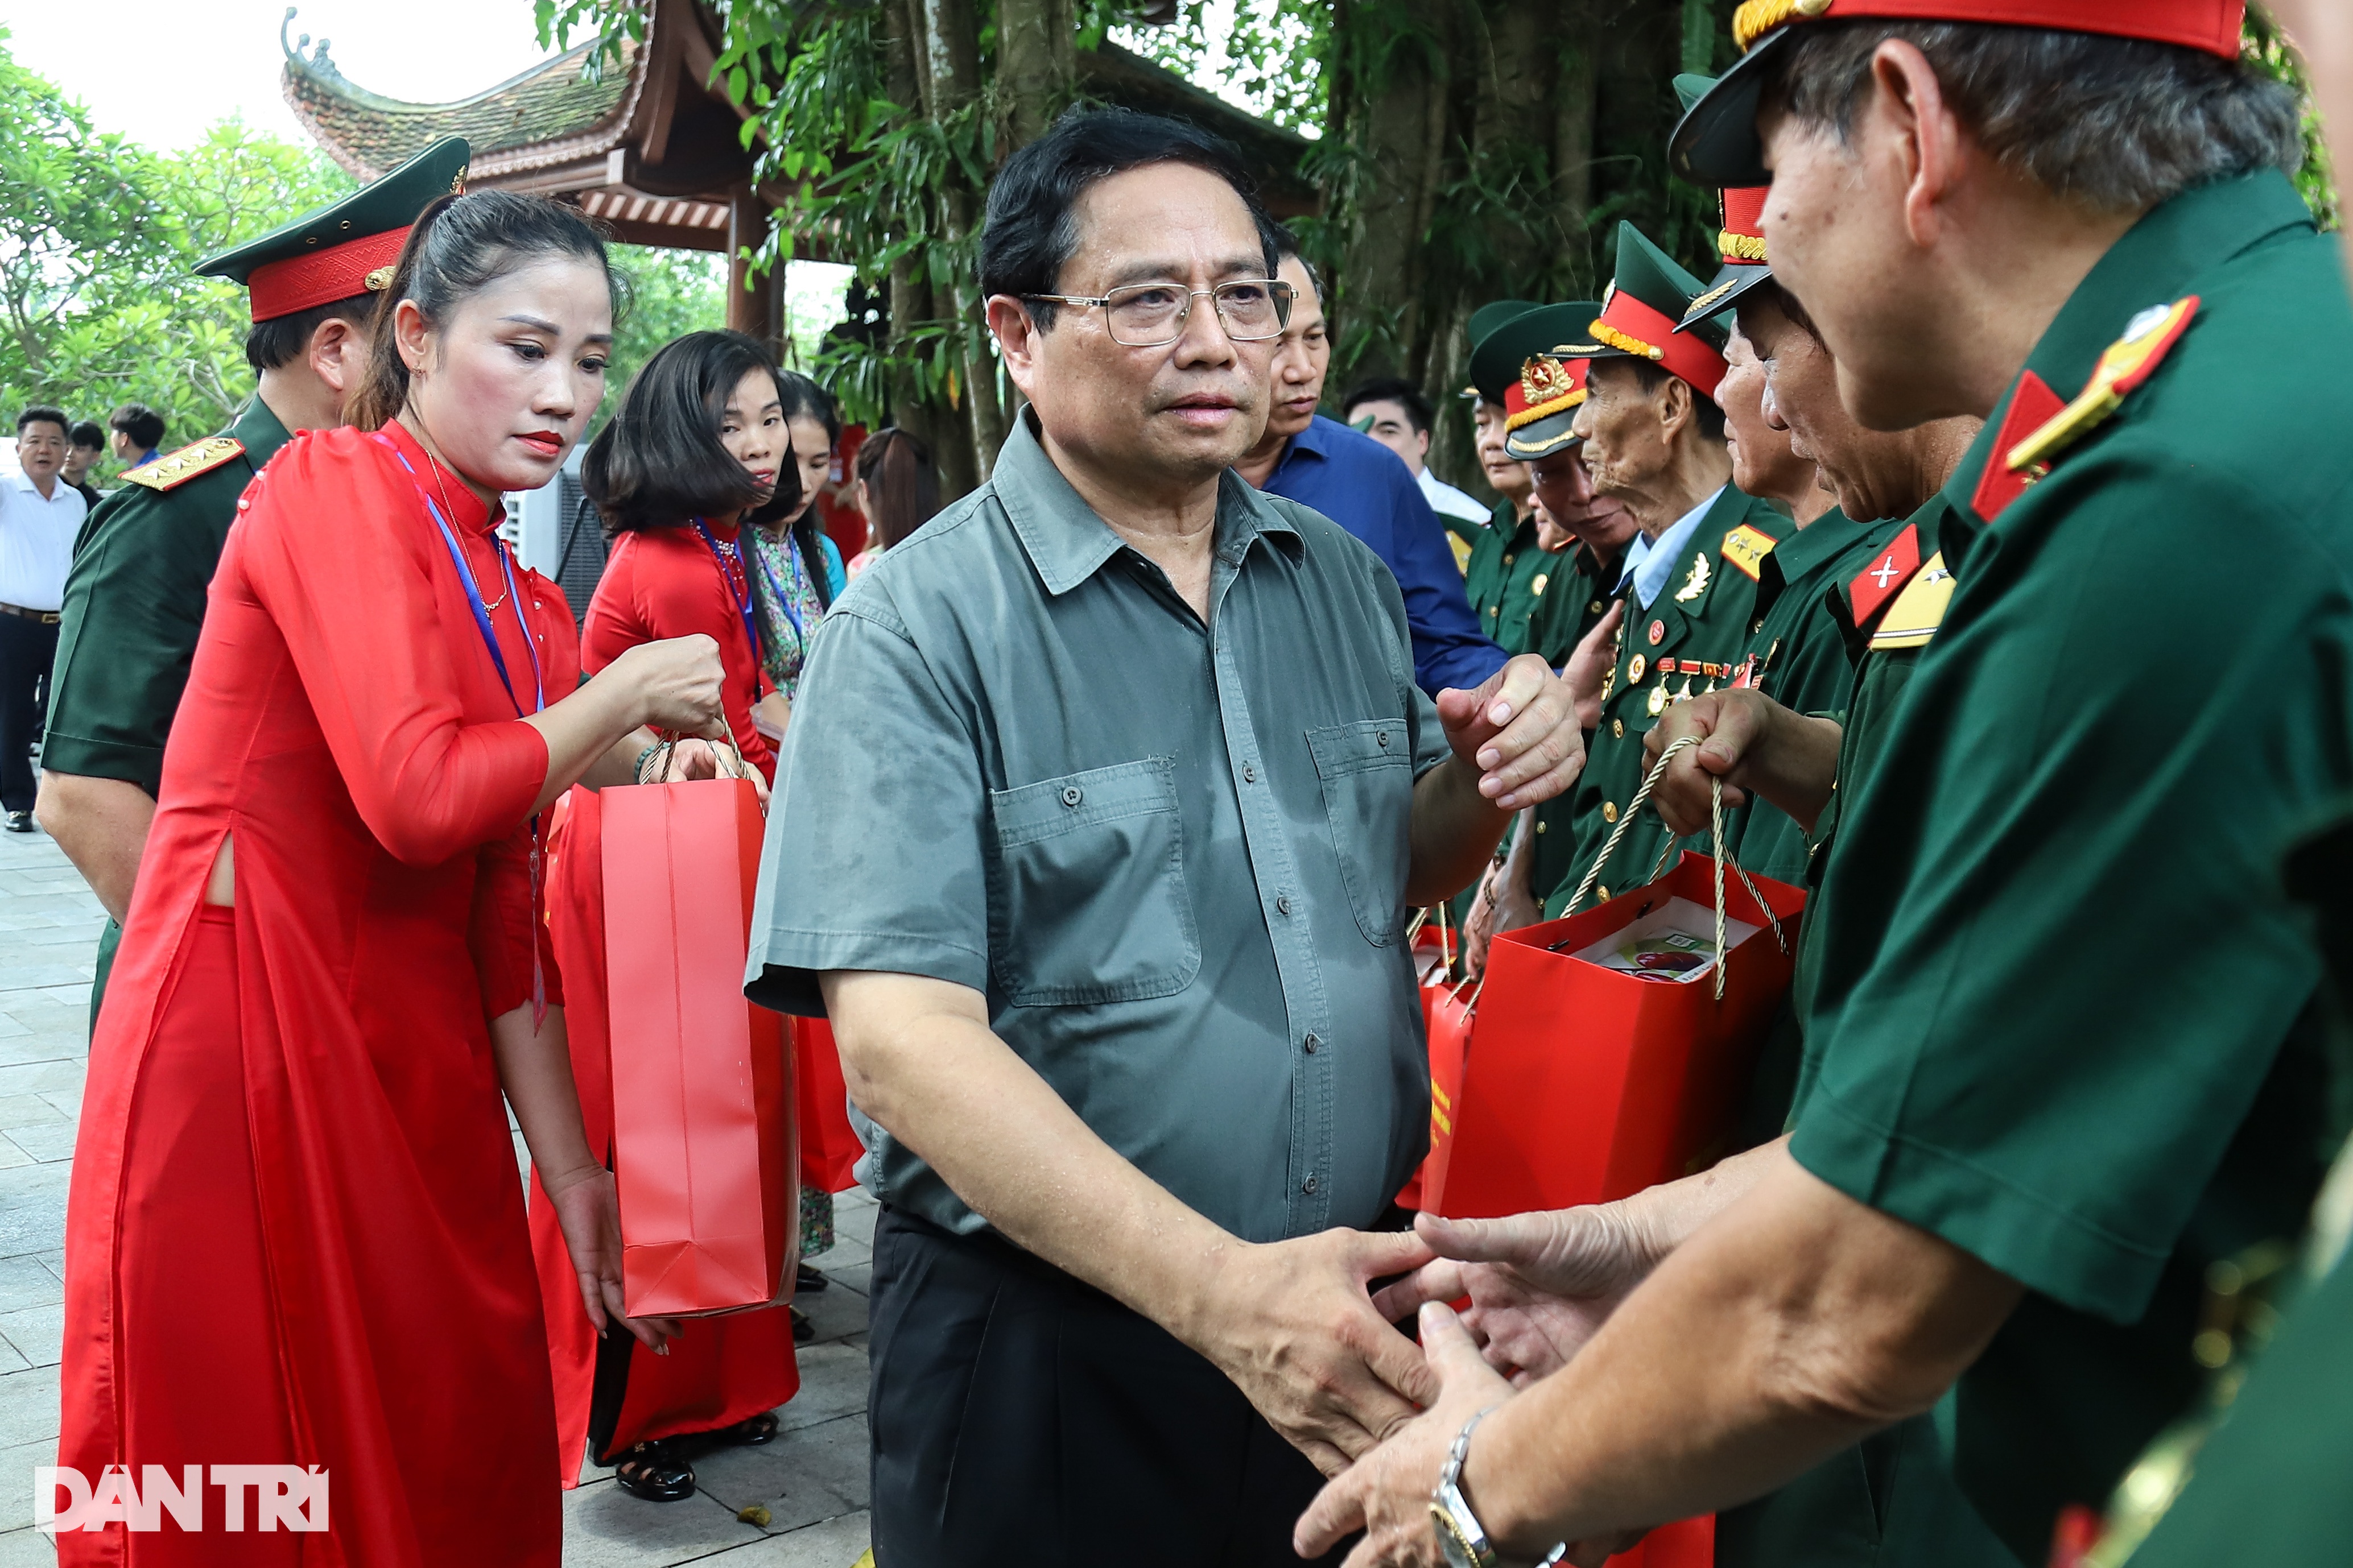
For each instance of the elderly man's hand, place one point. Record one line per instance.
(1291, 1322)
(1540, 1285)
(1387, 1494)
(1731, 726)
(1519, 730)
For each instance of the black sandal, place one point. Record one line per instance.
(654, 1472)
(809, 1279)
(750, 1432)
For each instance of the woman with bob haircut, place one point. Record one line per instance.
(295, 1237)
(696, 455)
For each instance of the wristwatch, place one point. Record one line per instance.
(1461, 1539)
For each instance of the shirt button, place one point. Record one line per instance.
(1250, 772)
(1312, 1045)
(1617, 729)
(1604, 893)
(1073, 795)
(1491, 610)
(1508, 561)
(1540, 827)
(1609, 810)
(1595, 607)
(1283, 904)
(1308, 1186)
(1756, 625)
(1382, 737)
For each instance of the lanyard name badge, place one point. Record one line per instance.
(498, 662)
(741, 597)
(784, 597)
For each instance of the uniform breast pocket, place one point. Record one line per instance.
(1366, 771)
(1090, 903)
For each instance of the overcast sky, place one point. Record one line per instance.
(161, 71)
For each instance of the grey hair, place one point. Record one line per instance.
(2113, 125)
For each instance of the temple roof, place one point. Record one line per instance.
(651, 149)
(554, 111)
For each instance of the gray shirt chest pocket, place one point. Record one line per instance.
(1088, 903)
(1366, 772)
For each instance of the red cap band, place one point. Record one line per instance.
(1744, 211)
(281, 287)
(1546, 387)
(1631, 321)
(2209, 25)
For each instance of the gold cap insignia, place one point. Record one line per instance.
(1542, 379)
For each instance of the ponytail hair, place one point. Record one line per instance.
(458, 247)
(902, 489)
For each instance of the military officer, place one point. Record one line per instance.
(1505, 475)
(1528, 597)
(1655, 437)
(2060, 1054)
(135, 599)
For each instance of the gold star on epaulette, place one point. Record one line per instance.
(178, 468)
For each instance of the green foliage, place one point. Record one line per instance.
(669, 293)
(2262, 45)
(98, 304)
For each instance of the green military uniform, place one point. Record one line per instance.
(1686, 640)
(1893, 1498)
(1797, 654)
(2270, 1484)
(134, 600)
(2059, 1020)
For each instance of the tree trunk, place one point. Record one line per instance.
(1035, 70)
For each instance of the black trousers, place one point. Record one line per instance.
(27, 649)
(1024, 1420)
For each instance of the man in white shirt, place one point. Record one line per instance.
(1393, 411)
(39, 515)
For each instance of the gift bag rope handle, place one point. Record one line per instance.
(665, 750)
(1715, 815)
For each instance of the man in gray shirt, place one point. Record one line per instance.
(1103, 804)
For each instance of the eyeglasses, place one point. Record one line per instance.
(1149, 315)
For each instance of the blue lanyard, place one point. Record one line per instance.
(742, 600)
(784, 599)
(474, 596)
(498, 662)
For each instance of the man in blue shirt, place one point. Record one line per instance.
(1367, 489)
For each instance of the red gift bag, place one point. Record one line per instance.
(829, 1145)
(1581, 1084)
(703, 1129)
(1434, 946)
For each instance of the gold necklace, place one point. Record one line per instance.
(434, 459)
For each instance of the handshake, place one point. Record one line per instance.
(1309, 1340)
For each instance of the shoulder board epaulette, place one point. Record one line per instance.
(1885, 578)
(1919, 610)
(178, 468)
(2127, 363)
(1747, 546)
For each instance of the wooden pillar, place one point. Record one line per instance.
(752, 297)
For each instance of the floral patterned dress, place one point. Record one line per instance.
(789, 610)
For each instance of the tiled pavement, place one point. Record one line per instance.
(811, 1479)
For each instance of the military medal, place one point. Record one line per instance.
(1634, 668)
(1658, 633)
(1537, 588)
(1658, 699)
